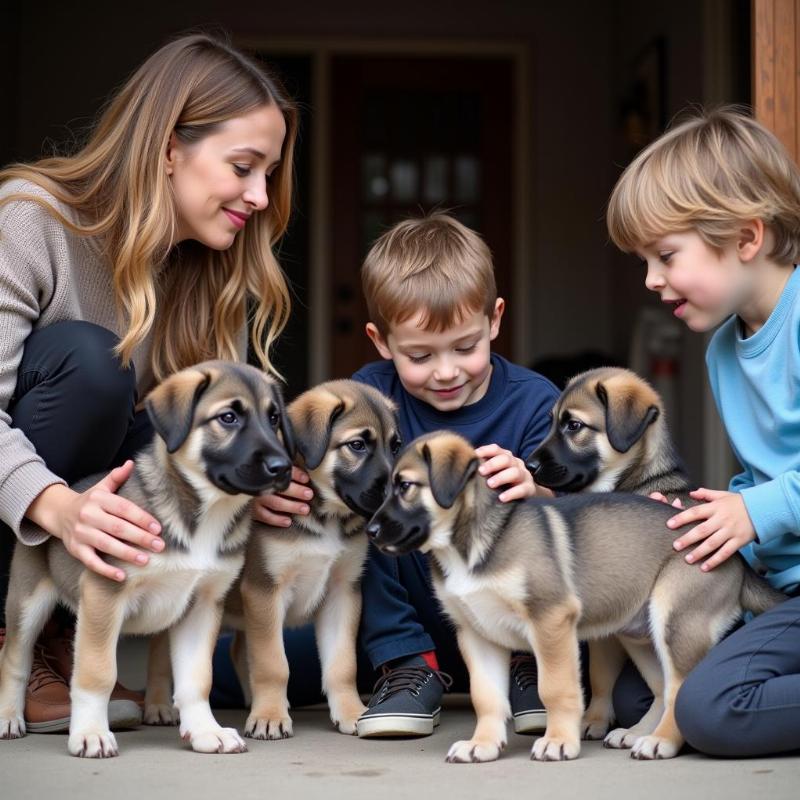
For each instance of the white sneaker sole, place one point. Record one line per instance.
(396, 725)
(122, 714)
(530, 722)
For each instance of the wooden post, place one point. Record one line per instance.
(776, 69)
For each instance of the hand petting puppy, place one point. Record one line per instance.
(724, 527)
(503, 468)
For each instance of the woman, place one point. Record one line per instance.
(119, 264)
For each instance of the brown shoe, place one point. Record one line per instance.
(61, 651)
(47, 701)
(46, 697)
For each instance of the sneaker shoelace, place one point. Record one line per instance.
(42, 672)
(524, 672)
(411, 678)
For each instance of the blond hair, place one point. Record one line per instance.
(433, 264)
(119, 187)
(710, 173)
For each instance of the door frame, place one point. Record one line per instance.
(321, 51)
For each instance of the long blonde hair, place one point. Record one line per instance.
(709, 173)
(121, 192)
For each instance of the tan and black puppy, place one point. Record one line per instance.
(346, 437)
(610, 434)
(222, 437)
(537, 575)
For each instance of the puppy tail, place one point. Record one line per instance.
(757, 595)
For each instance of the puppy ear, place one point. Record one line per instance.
(171, 405)
(628, 415)
(312, 417)
(449, 470)
(287, 433)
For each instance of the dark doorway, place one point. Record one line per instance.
(409, 135)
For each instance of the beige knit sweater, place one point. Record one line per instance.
(47, 275)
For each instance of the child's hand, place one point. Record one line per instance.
(275, 509)
(726, 527)
(503, 468)
(664, 499)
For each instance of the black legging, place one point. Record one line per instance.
(75, 403)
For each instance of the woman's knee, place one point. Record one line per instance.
(81, 355)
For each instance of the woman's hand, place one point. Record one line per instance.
(276, 509)
(503, 468)
(98, 521)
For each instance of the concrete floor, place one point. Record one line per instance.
(319, 763)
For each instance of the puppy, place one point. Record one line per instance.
(346, 437)
(610, 434)
(219, 428)
(540, 574)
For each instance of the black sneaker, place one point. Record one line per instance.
(527, 708)
(406, 700)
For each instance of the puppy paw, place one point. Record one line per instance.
(553, 748)
(621, 738)
(12, 726)
(92, 744)
(649, 748)
(345, 717)
(160, 714)
(268, 728)
(216, 740)
(474, 751)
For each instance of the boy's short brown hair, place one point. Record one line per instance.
(710, 173)
(433, 264)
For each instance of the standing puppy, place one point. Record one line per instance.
(537, 575)
(219, 429)
(346, 437)
(610, 434)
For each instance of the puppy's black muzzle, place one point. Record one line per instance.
(395, 531)
(257, 464)
(560, 474)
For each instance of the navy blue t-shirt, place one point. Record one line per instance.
(514, 413)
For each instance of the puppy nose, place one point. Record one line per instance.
(373, 529)
(276, 466)
(533, 465)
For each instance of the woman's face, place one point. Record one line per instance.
(220, 181)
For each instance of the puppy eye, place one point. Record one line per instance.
(274, 418)
(403, 488)
(574, 425)
(228, 418)
(357, 445)
(395, 446)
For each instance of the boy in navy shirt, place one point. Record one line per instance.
(430, 291)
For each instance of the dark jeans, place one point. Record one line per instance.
(401, 616)
(75, 403)
(743, 698)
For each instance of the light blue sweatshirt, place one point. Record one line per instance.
(756, 384)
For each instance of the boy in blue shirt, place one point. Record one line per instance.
(433, 307)
(713, 210)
